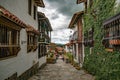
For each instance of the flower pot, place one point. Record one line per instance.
(78, 67)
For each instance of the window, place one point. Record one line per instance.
(88, 38)
(112, 34)
(9, 41)
(91, 3)
(42, 50)
(31, 42)
(29, 6)
(42, 46)
(35, 11)
(32, 35)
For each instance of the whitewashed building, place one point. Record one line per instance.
(18, 39)
(76, 39)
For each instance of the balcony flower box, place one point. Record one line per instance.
(114, 42)
(51, 60)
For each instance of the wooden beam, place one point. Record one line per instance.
(80, 1)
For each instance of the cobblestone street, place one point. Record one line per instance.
(61, 71)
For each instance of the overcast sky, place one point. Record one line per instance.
(60, 12)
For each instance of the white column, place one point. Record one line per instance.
(66, 48)
(90, 50)
(73, 50)
(83, 47)
(77, 56)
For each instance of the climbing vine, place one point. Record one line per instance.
(104, 65)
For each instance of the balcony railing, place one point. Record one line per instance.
(74, 36)
(111, 28)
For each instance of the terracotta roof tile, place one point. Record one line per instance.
(59, 48)
(68, 44)
(11, 17)
(32, 29)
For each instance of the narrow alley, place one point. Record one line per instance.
(61, 71)
(59, 39)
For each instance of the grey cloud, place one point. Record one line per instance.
(54, 16)
(65, 7)
(60, 28)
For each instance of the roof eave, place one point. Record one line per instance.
(40, 3)
(80, 1)
(74, 18)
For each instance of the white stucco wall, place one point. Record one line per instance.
(20, 63)
(42, 60)
(75, 28)
(77, 56)
(23, 61)
(20, 9)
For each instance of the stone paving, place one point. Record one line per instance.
(61, 71)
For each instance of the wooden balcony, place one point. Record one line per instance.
(111, 28)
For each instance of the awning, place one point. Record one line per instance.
(32, 29)
(8, 15)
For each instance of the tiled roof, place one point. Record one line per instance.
(32, 29)
(68, 44)
(111, 19)
(5, 13)
(59, 48)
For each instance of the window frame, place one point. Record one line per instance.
(30, 7)
(89, 37)
(34, 12)
(31, 42)
(11, 46)
(111, 39)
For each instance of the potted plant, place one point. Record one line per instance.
(51, 58)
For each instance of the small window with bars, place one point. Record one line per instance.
(88, 37)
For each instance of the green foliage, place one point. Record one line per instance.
(50, 54)
(104, 65)
(69, 56)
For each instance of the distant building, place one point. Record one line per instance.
(76, 40)
(19, 39)
(59, 50)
